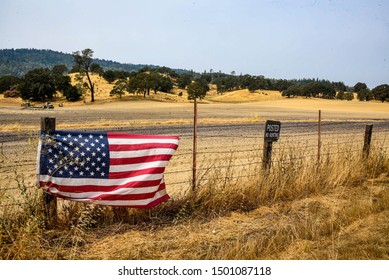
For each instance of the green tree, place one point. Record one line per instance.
(59, 69)
(72, 93)
(359, 86)
(183, 80)
(364, 95)
(197, 89)
(37, 85)
(6, 82)
(84, 61)
(109, 76)
(349, 96)
(341, 95)
(119, 88)
(381, 92)
(292, 91)
(96, 69)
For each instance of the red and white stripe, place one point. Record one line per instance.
(137, 164)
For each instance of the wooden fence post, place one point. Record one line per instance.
(194, 167)
(267, 152)
(319, 139)
(366, 144)
(50, 202)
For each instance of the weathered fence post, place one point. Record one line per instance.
(194, 144)
(50, 202)
(366, 144)
(272, 133)
(267, 152)
(319, 139)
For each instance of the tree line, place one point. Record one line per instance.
(41, 84)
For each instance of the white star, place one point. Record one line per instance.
(81, 173)
(98, 169)
(98, 159)
(93, 144)
(87, 168)
(70, 173)
(90, 136)
(98, 149)
(60, 172)
(50, 150)
(88, 159)
(82, 154)
(104, 154)
(76, 149)
(55, 166)
(65, 148)
(97, 140)
(92, 173)
(93, 163)
(82, 144)
(101, 136)
(102, 145)
(88, 149)
(103, 164)
(76, 168)
(102, 173)
(69, 135)
(66, 167)
(70, 143)
(71, 153)
(51, 160)
(79, 136)
(93, 154)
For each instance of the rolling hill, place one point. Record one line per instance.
(17, 62)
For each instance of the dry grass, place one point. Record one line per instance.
(296, 211)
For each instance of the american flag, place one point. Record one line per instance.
(107, 168)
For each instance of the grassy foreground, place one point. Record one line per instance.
(299, 210)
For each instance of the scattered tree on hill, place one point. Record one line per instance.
(339, 86)
(381, 92)
(341, 95)
(109, 76)
(292, 91)
(359, 86)
(84, 61)
(7, 82)
(364, 95)
(119, 88)
(349, 96)
(197, 89)
(59, 69)
(96, 69)
(37, 85)
(72, 93)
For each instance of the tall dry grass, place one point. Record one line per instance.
(297, 209)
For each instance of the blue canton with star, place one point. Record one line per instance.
(71, 154)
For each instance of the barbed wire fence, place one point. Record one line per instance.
(236, 148)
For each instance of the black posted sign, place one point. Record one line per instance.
(272, 130)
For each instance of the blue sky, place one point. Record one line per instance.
(337, 40)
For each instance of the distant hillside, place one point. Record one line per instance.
(17, 62)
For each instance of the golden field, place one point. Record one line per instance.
(338, 209)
